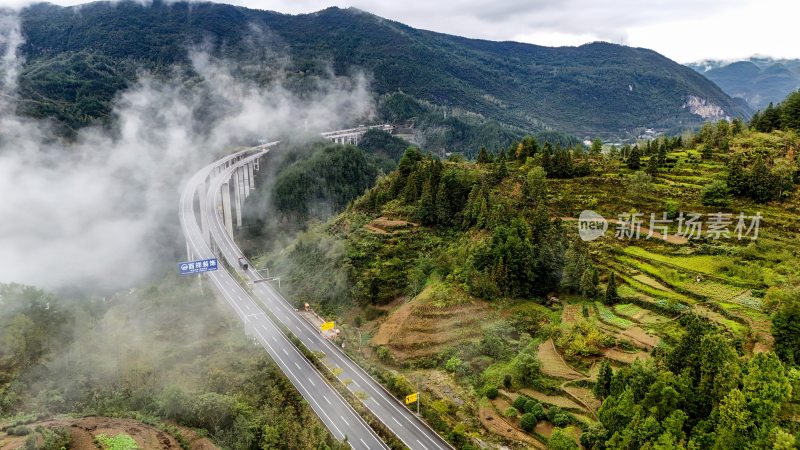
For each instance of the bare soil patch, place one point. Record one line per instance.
(625, 357)
(585, 396)
(559, 400)
(417, 329)
(544, 428)
(499, 425)
(571, 314)
(652, 282)
(642, 337)
(384, 225)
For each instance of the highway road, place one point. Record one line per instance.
(410, 429)
(334, 412)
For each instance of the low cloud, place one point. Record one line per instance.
(100, 213)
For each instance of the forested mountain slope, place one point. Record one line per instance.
(78, 57)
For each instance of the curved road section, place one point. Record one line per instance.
(334, 412)
(410, 429)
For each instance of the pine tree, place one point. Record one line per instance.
(501, 169)
(589, 283)
(596, 148)
(612, 297)
(561, 164)
(602, 388)
(790, 112)
(483, 156)
(652, 166)
(771, 119)
(413, 186)
(737, 179)
(547, 158)
(761, 184)
(427, 204)
(576, 261)
(527, 148)
(634, 162)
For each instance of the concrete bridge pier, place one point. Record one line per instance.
(226, 207)
(237, 196)
(204, 213)
(252, 179)
(245, 182)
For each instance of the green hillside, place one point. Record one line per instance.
(76, 61)
(468, 281)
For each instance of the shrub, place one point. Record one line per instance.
(383, 353)
(511, 412)
(528, 422)
(561, 419)
(538, 411)
(672, 208)
(453, 364)
(716, 194)
(507, 381)
(118, 442)
(561, 440)
(519, 403)
(491, 392)
(530, 404)
(19, 431)
(552, 412)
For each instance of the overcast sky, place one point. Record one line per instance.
(684, 30)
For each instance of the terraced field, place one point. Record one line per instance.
(638, 314)
(553, 365)
(606, 315)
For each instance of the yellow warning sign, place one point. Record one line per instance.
(327, 326)
(411, 398)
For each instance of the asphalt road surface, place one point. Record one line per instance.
(334, 412)
(404, 423)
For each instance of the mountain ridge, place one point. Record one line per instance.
(594, 89)
(758, 80)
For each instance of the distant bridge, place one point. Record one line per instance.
(353, 135)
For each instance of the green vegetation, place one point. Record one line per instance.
(474, 271)
(118, 442)
(322, 184)
(784, 116)
(185, 360)
(697, 398)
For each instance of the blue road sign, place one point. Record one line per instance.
(199, 266)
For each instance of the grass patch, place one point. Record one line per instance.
(606, 315)
(722, 266)
(119, 442)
